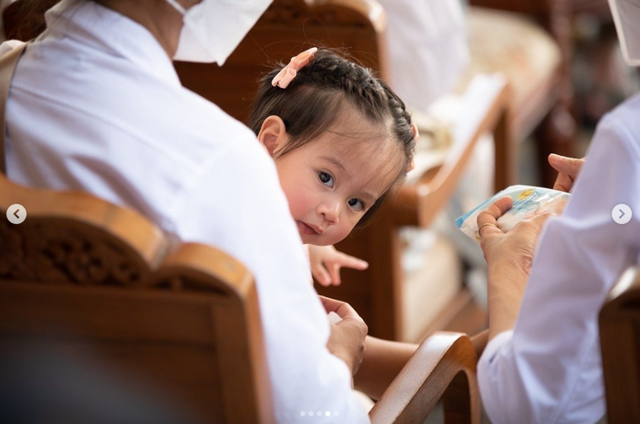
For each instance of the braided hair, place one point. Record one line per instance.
(313, 100)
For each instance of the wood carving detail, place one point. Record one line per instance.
(61, 254)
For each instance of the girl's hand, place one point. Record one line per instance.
(326, 262)
(568, 170)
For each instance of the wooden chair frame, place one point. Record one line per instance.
(549, 110)
(76, 256)
(620, 345)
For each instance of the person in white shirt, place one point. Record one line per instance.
(95, 105)
(542, 363)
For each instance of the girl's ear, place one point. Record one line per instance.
(273, 134)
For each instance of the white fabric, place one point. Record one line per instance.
(96, 105)
(212, 29)
(427, 48)
(626, 15)
(548, 369)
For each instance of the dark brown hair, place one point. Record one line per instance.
(315, 97)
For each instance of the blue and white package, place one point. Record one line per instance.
(528, 201)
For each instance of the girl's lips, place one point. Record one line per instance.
(307, 229)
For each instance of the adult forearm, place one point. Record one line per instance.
(383, 360)
(506, 286)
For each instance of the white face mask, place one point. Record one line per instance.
(626, 15)
(213, 28)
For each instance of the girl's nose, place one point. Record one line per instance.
(330, 211)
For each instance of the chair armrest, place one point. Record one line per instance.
(444, 366)
(482, 109)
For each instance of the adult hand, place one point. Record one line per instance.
(514, 248)
(326, 262)
(568, 170)
(509, 257)
(347, 339)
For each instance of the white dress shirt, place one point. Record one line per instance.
(96, 105)
(548, 369)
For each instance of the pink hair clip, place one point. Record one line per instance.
(289, 72)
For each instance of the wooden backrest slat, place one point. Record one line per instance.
(82, 276)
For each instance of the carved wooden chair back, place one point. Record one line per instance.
(80, 275)
(287, 28)
(620, 346)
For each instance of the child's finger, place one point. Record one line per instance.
(352, 262)
(322, 276)
(334, 270)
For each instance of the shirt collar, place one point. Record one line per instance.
(101, 28)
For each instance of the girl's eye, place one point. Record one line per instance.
(326, 178)
(356, 204)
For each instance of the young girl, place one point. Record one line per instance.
(340, 139)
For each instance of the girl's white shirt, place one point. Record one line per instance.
(548, 369)
(96, 105)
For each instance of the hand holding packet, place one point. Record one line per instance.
(528, 201)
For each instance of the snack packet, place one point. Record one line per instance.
(528, 201)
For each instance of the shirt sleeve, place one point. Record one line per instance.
(238, 206)
(548, 369)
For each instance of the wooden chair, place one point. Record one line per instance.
(443, 357)
(80, 275)
(284, 30)
(544, 100)
(620, 346)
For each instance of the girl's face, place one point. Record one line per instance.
(331, 181)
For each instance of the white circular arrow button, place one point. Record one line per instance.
(16, 213)
(621, 214)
